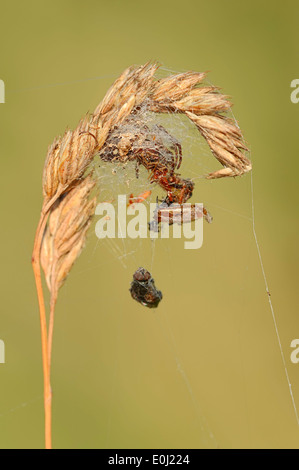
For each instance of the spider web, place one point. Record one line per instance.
(194, 149)
(116, 179)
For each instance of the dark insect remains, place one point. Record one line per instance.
(143, 289)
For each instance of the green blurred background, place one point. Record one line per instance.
(207, 360)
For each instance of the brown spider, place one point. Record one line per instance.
(157, 150)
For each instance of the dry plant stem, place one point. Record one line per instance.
(43, 326)
(43, 322)
(51, 328)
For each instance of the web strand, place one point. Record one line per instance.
(270, 303)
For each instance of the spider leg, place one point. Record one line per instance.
(179, 154)
(137, 168)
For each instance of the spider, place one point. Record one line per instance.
(156, 150)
